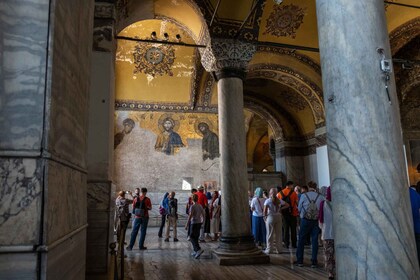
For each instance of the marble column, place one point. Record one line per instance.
(228, 60)
(44, 84)
(100, 189)
(374, 236)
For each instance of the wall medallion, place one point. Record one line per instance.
(153, 59)
(285, 20)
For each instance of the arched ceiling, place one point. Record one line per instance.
(284, 74)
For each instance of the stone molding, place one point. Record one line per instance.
(287, 76)
(266, 114)
(104, 27)
(301, 148)
(227, 54)
(403, 34)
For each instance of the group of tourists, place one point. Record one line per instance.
(276, 216)
(203, 210)
(288, 217)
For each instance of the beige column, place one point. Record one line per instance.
(228, 60)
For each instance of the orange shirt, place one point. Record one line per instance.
(293, 199)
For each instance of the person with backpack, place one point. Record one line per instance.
(308, 207)
(172, 216)
(141, 207)
(289, 214)
(122, 215)
(163, 211)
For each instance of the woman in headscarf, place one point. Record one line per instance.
(325, 223)
(214, 215)
(163, 210)
(258, 225)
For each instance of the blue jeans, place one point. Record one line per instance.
(139, 223)
(308, 227)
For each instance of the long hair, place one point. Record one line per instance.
(274, 198)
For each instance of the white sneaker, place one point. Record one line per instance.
(198, 254)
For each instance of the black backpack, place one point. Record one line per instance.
(140, 207)
(287, 211)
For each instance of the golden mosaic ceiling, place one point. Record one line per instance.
(167, 77)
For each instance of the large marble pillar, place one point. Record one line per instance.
(44, 85)
(228, 60)
(100, 189)
(374, 237)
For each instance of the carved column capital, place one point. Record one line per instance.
(104, 27)
(227, 57)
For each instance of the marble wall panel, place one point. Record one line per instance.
(100, 215)
(67, 260)
(20, 201)
(295, 170)
(71, 42)
(18, 266)
(23, 51)
(65, 204)
(311, 168)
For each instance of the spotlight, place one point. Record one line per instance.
(153, 35)
(178, 37)
(278, 2)
(166, 35)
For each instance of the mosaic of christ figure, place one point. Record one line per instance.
(168, 140)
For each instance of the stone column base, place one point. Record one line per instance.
(239, 251)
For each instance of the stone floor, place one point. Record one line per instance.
(170, 260)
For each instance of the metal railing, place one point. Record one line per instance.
(117, 251)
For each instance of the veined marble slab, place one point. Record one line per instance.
(20, 201)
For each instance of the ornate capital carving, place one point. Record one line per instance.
(103, 28)
(227, 56)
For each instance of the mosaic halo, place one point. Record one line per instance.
(163, 117)
(202, 120)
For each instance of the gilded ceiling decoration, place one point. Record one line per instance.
(284, 75)
(283, 51)
(293, 101)
(285, 20)
(153, 59)
(227, 28)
